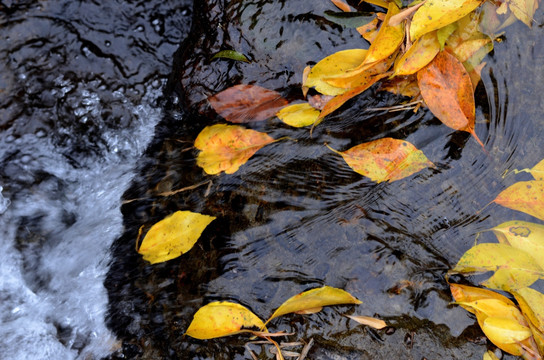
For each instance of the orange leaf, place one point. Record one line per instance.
(339, 100)
(447, 90)
(369, 321)
(385, 159)
(524, 196)
(422, 52)
(227, 147)
(464, 293)
(247, 103)
(341, 5)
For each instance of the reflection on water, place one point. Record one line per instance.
(79, 83)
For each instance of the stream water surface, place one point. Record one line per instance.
(98, 118)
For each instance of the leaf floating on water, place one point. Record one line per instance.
(385, 159)
(173, 236)
(436, 14)
(524, 10)
(315, 298)
(537, 171)
(524, 196)
(369, 321)
(504, 330)
(447, 90)
(333, 66)
(418, 55)
(523, 235)
(230, 54)
(464, 293)
(298, 115)
(531, 303)
(227, 147)
(490, 355)
(513, 268)
(247, 103)
(222, 318)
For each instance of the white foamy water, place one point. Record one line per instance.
(55, 239)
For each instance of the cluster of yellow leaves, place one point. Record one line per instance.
(517, 262)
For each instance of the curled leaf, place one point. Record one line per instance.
(447, 90)
(247, 103)
(227, 147)
(513, 268)
(298, 115)
(222, 318)
(333, 66)
(315, 298)
(173, 236)
(464, 293)
(418, 55)
(230, 54)
(385, 159)
(524, 196)
(502, 330)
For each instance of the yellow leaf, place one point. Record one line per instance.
(467, 49)
(464, 293)
(174, 235)
(537, 171)
(227, 147)
(298, 115)
(387, 41)
(531, 303)
(513, 268)
(524, 10)
(369, 321)
(523, 235)
(418, 55)
(504, 331)
(524, 196)
(332, 66)
(385, 159)
(490, 355)
(435, 14)
(222, 318)
(323, 296)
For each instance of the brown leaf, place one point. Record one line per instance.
(447, 90)
(247, 103)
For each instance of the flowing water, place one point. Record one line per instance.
(82, 85)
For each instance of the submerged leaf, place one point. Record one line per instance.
(315, 298)
(222, 318)
(385, 159)
(247, 103)
(523, 235)
(513, 268)
(227, 147)
(447, 90)
(438, 13)
(524, 196)
(298, 115)
(173, 236)
(524, 10)
(230, 54)
(332, 66)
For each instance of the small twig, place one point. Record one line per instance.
(251, 352)
(192, 187)
(306, 349)
(402, 107)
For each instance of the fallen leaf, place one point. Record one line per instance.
(247, 103)
(355, 79)
(385, 159)
(523, 235)
(173, 236)
(298, 115)
(369, 321)
(339, 100)
(524, 196)
(494, 308)
(341, 5)
(514, 268)
(444, 33)
(404, 14)
(447, 90)
(524, 10)
(388, 40)
(537, 171)
(230, 54)
(505, 331)
(531, 303)
(227, 147)
(402, 85)
(467, 49)
(222, 318)
(305, 74)
(370, 30)
(323, 296)
(464, 293)
(333, 66)
(422, 52)
(438, 13)
(490, 355)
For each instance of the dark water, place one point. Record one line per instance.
(293, 218)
